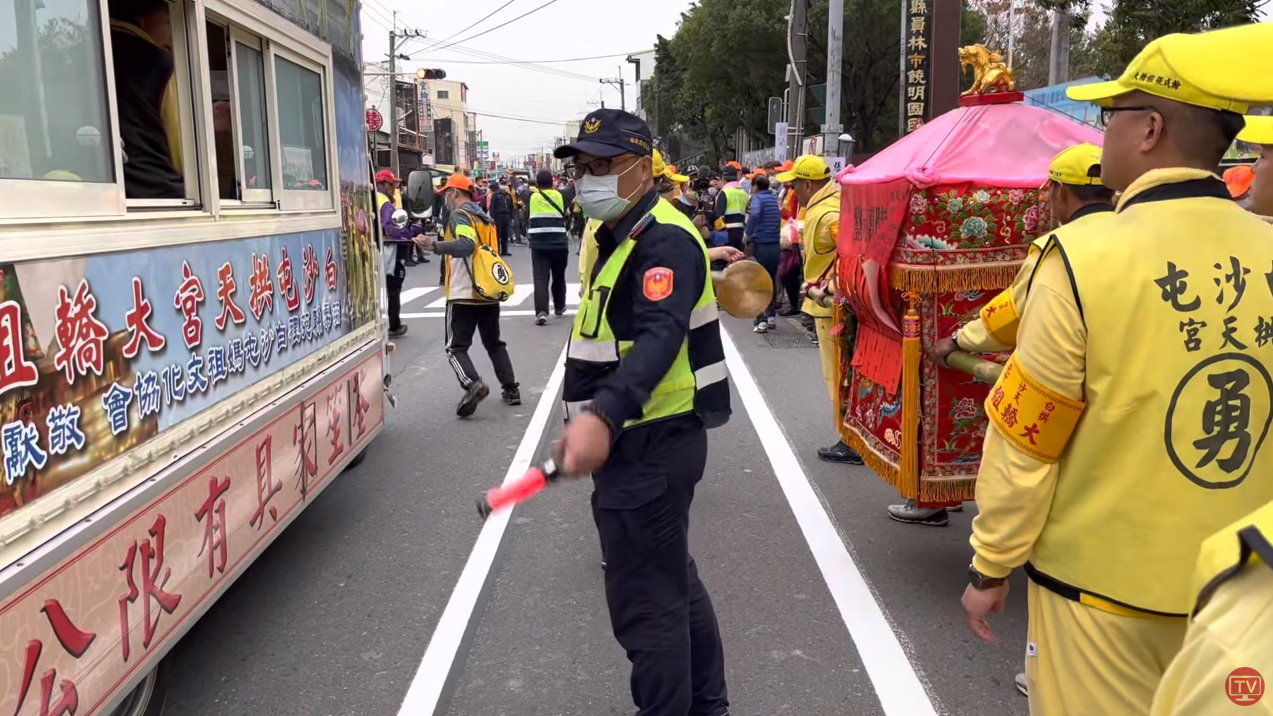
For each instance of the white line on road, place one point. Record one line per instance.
(896, 684)
(502, 314)
(425, 693)
(412, 294)
(521, 292)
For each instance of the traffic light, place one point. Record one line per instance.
(430, 74)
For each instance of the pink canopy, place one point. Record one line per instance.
(1001, 145)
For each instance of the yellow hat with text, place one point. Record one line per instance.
(660, 169)
(1258, 130)
(1079, 165)
(1209, 69)
(809, 167)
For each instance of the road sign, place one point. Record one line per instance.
(776, 115)
(780, 142)
(374, 120)
(837, 164)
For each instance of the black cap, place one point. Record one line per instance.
(544, 178)
(609, 133)
(730, 174)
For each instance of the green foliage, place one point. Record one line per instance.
(1132, 24)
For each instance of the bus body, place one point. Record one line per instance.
(191, 339)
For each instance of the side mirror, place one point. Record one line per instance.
(400, 218)
(419, 194)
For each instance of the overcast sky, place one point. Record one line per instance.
(562, 29)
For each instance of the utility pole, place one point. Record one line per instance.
(831, 129)
(798, 53)
(1059, 58)
(393, 96)
(617, 82)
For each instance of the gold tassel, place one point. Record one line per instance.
(881, 465)
(910, 390)
(947, 489)
(928, 279)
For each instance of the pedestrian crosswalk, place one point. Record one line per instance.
(429, 302)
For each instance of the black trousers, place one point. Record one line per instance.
(736, 237)
(503, 224)
(767, 254)
(393, 289)
(549, 265)
(659, 610)
(462, 319)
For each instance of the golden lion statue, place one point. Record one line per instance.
(990, 73)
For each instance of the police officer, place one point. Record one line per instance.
(549, 247)
(645, 379)
(731, 206)
(1129, 423)
(1078, 200)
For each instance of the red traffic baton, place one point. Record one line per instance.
(519, 490)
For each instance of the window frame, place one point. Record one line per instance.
(301, 199)
(249, 198)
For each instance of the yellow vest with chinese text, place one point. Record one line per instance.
(1172, 444)
(696, 383)
(821, 223)
(735, 207)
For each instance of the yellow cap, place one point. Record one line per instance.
(660, 169)
(809, 167)
(1079, 165)
(1209, 69)
(1258, 130)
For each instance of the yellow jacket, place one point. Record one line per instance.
(821, 217)
(1233, 625)
(1119, 440)
(995, 328)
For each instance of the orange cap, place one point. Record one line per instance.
(787, 166)
(1239, 179)
(457, 181)
(734, 164)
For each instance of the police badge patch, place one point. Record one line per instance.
(657, 284)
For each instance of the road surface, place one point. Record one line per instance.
(825, 606)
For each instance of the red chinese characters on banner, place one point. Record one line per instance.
(189, 296)
(136, 321)
(358, 413)
(15, 370)
(80, 336)
(212, 514)
(309, 273)
(226, 288)
(332, 269)
(334, 416)
(75, 642)
(305, 435)
(266, 487)
(154, 580)
(262, 286)
(287, 283)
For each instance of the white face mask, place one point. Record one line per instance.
(711, 191)
(599, 196)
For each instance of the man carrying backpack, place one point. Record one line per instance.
(549, 248)
(470, 230)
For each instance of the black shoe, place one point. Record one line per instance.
(424, 259)
(398, 332)
(411, 262)
(512, 396)
(840, 453)
(559, 311)
(507, 253)
(789, 312)
(541, 319)
(909, 513)
(475, 394)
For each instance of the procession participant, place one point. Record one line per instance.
(819, 199)
(1231, 634)
(397, 240)
(1127, 422)
(645, 379)
(1259, 199)
(1077, 199)
(731, 207)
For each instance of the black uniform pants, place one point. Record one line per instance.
(549, 268)
(462, 319)
(393, 291)
(736, 237)
(503, 224)
(659, 610)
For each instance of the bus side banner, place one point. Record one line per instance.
(99, 354)
(72, 638)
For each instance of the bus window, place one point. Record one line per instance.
(148, 96)
(53, 103)
(253, 138)
(222, 110)
(301, 115)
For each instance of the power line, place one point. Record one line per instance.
(470, 27)
(529, 62)
(367, 14)
(568, 74)
(493, 29)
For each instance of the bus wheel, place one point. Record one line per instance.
(147, 697)
(357, 459)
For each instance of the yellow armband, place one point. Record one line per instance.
(1037, 420)
(1001, 318)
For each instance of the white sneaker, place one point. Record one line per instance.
(1022, 685)
(772, 322)
(760, 328)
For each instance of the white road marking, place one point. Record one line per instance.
(896, 684)
(521, 292)
(502, 314)
(425, 693)
(412, 294)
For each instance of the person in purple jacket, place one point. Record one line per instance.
(399, 241)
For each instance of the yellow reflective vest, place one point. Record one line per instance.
(735, 208)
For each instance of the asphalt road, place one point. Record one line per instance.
(335, 616)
